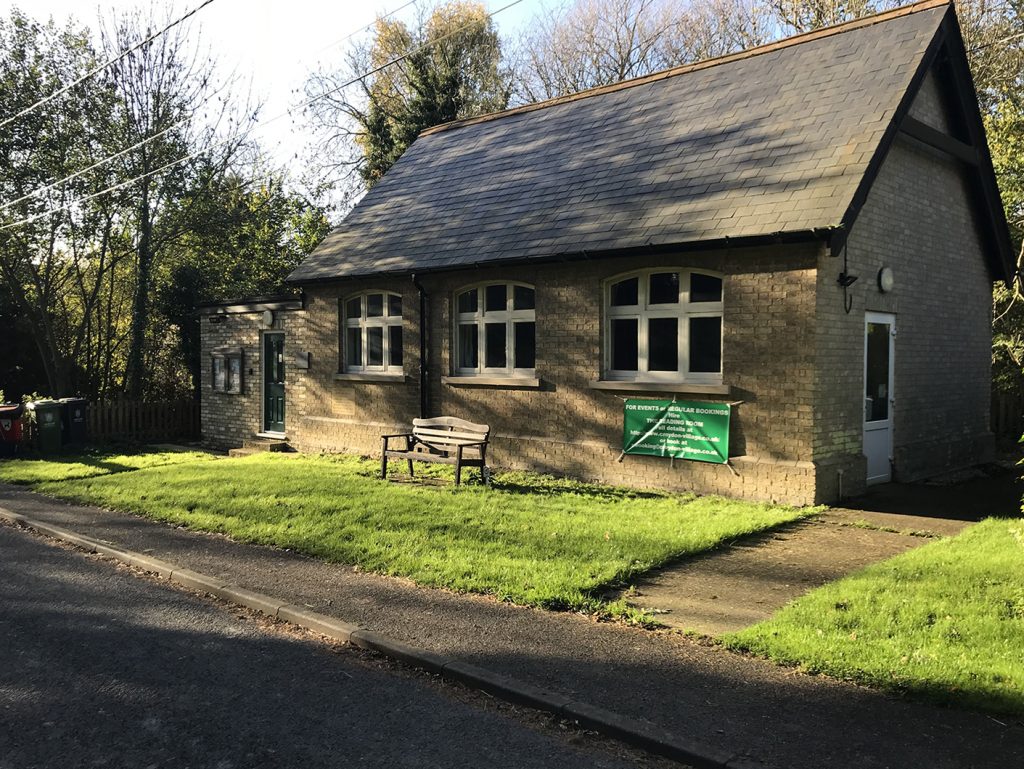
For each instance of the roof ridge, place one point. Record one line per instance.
(682, 69)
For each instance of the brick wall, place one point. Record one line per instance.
(228, 419)
(918, 220)
(567, 427)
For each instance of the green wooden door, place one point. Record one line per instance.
(273, 383)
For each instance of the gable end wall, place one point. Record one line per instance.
(918, 219)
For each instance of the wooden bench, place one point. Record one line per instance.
(448, 440)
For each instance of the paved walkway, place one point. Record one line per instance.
(742, 584)
(733, 705)
(734, 587)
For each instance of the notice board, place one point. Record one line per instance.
(677, 429)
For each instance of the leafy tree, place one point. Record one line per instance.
(451, 69)
(88, 278)
(246, 236)
(53, 266)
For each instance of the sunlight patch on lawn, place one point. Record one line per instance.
(945, 621)
(531, 539)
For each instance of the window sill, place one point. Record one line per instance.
(511, 383)
(381, 378)
(621, 385)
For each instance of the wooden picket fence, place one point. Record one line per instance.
(144, 420)
(1008, 414)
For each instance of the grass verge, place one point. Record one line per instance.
(90, 463)
(945, 621)
(532, 540)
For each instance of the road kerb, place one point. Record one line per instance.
(318, 623)
(629, 730)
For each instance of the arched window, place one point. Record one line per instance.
(495, 330)
(664, 325)
(371, 333)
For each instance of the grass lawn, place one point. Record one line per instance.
(945, 620)
(532, 540)
(88, 464)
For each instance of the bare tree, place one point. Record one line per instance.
(596, 42)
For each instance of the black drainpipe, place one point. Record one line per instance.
(424, 380)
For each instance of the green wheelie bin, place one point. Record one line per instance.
(48, 425)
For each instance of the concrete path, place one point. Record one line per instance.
(737, 586)
(741, 708)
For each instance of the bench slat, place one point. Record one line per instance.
(441, 435)
(453, 422)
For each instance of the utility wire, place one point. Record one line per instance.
(375, 70)
(350, 35)
(171, 127)
(102, 67)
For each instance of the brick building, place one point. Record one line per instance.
(808, 231)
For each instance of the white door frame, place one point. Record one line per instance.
(871, 428)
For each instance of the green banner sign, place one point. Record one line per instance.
(678, 429)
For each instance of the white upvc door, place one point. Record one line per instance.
(879, 399)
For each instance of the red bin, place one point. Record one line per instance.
(10, 427)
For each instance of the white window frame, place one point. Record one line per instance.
(481, 318)
(643, 311)
(385, 322)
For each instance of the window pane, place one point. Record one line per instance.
(467, 301)
(663, 344)
(522, 298)
(624, 344)
(496, 298)
(495, 345)
(235, 374)
(374, 305)
(375, 346)
(353, 308)
(468, 345)
(394, 306)
(705, 288)
(626, 293)
(876, 382)
(664, 288)
(218, 373)
(395, 345)
(353, 347)
(705, 345)
(525, 345)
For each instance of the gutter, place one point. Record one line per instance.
(424, 362)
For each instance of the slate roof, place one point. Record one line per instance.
(775, 140)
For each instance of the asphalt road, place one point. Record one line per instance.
(103, 667)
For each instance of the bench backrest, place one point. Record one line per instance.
(445, 433)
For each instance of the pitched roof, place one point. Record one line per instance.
(774, 140)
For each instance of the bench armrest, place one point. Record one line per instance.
(398, 435)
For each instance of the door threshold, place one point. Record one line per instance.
(275, 436)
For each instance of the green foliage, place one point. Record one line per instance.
(945, 621)
(452, 71)
(531, 539)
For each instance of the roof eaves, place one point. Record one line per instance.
(823, 234)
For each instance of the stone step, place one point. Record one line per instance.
(242, 452)
(266, 444)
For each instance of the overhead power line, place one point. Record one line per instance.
(183, 121)
(263, 124)
(101, 67)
